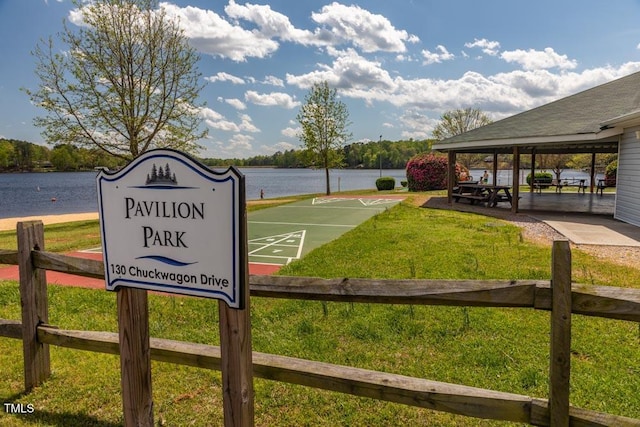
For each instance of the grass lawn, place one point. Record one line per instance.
(500, 349)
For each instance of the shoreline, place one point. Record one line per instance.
(9, 224)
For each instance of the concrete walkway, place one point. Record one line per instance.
(583, 229)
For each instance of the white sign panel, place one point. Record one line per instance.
(170, 224)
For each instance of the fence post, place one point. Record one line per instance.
(235, 342)
(560, 360)
(35, 308)
(135, 357)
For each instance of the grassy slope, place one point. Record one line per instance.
(501, 349)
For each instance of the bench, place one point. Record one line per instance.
(540, 184)
(604, 183)
(472, 197)
(580, 183)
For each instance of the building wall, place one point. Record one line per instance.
(628, 181)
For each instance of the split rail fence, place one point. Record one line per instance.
(559, 296)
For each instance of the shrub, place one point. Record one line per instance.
(403, 183)
(385, 183)
(542, 178)
(611, 173)
(429, 172)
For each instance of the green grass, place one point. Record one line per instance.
(500, 349)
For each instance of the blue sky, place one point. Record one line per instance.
(398, 65)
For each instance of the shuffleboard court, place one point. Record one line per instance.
(277, 235)
(285, 233)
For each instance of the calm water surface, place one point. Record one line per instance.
(28, 194)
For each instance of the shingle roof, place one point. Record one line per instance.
(582, 113)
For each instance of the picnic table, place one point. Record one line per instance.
(482, 193)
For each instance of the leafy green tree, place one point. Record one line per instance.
(324, 120)
(556, 162)
(6, 154)
(65, 157)
(126, 82)
(455, 122)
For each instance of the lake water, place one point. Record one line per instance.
(29, 194)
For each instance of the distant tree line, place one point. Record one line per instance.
(23, 156)
(366, 155)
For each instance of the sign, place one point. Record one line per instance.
(170, 224)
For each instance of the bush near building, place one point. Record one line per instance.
(429, 172)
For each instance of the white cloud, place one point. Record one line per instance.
(441, 54)
(367, 31)
(273, 81)
(271, 24)
(217, 121)
(536, 60)
(488, 47)
(225, 77)
(290, 132)
(240, 141)
(280, 146)
(279, 99)
(236, 103)
(246, 124)
(223, 125)
(354, 75)
(212, 34)
(209, 114)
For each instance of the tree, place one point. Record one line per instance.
(65, 157)
(324, 120)
(555, 162)
(127, 81)
(7, 154)
(455, 122)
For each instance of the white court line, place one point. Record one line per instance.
(92, 250)
(281, 246)
(376, 202)
(302, 223)
(300, 245)
(360, 208)
(275, 242)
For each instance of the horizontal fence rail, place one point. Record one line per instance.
(439, 396)
(600, 301)
(589, 300)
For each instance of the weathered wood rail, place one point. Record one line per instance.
(559, 296)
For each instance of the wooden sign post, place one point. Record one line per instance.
(170, 224)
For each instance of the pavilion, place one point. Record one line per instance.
(603, 119)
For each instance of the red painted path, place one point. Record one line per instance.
(56, 278)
